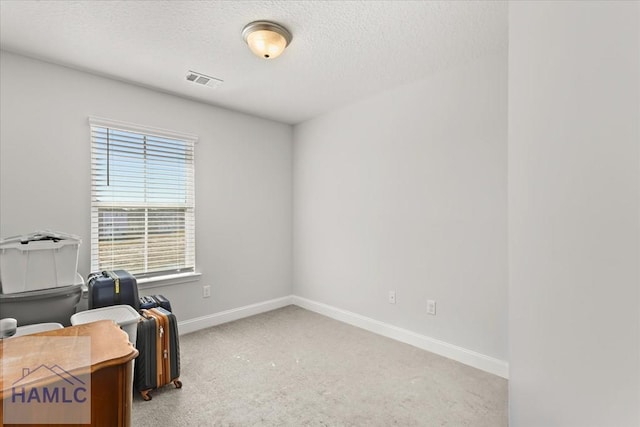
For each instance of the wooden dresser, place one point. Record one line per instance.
(109, 367)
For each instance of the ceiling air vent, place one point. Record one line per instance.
(202, 79)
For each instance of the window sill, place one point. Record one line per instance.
(168, 280)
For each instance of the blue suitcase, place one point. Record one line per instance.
(113, 288)
(153, 301)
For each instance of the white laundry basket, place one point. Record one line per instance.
(124, 315)
(37, 328)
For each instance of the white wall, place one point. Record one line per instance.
(573, 214)
(243, 176)
(407, 191)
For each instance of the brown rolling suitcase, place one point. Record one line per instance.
(158, 363)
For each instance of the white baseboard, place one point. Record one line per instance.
(207, 321)
(459, 354)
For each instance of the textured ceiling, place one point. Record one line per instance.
(341, 51)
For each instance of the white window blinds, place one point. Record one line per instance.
(142, 199)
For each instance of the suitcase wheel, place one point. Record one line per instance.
(177, 383)
(145, 395)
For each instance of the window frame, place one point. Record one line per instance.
(160, 278)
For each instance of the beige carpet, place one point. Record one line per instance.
(293, 367)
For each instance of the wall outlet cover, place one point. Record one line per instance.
(431, 307)
(392, 297)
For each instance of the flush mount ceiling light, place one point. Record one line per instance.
(266, 39)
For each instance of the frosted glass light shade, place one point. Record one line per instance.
(266, 44)
(266, 39)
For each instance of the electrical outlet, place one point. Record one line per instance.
(431, 307)
(392, 297)
(206, 291)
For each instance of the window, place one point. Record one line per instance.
(142, 199)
